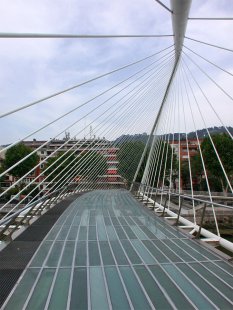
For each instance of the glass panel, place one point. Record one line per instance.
(129, 232)
(62, 283)
(73, 233)
(193, 294)
(214, 296)
(40, 256)
(142, 251)
(107, 221)
(92, 233)
(149, 234)
(81, 254)
(115, 221)
(129, 221)
(211, 278)
(157, 232)
(94, 257)
(55, 254)
(76, 221)
(84, 218)
(82, 233)
(69, 219)
(111, 211)
(41, 291)
(140, 234)
(99, 220)
(68, 253)
(92, 221)
(111, 233)
(155, 252)
(63, 233)
(200, 249)
(53, 232)
(20, 295)
(79, 299)
(134, 290)
(106, 253)
(120, 232)
(134, 258)
(137, 220)
(189, 250)
(156, 295)
(179, 251)
(221, 273)
(172, 290)
(101, 232)
(116, 290)
(165, 232)
(122, 221)
(119, 253)
(225, 266)
(166, 251)
(98, 290)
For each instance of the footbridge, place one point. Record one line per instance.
(132, 209)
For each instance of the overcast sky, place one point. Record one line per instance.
(34, 68)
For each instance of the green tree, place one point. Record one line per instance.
(129, 156)
(32, 189)
(224, 146)
(166, 160)
(87, 164)
(185, 174)
(15, 154)
(60, 164)
(197, 173)
(92, 164)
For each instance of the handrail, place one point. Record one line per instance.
(187, 197)
(29, 206)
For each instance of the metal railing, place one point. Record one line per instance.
(8, 224)
(149, 195)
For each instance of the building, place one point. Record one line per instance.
(185, 151)
(56, 146)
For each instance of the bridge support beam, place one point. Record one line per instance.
(180, 13)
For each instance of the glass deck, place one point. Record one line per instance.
(106, 251)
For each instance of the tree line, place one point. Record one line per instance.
(90, 164)
(130, 153)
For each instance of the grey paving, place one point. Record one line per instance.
(106, 251)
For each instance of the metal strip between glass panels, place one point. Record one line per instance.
(107, 251)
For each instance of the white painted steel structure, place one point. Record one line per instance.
(159, 91)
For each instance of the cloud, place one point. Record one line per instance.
(34, 68)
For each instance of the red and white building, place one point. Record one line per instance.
(102, 146)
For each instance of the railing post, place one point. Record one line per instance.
(165, 204)
(201, 223)
(178, 215)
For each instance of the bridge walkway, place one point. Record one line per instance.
(107, 251)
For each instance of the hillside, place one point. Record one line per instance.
(202, 133)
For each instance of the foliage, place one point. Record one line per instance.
(58, 164)
(167, 160)
(214, 183)
(91, 165)
(15, 154)
(33, 188)
(216, 178)
(185, 174)
(11, 192)
(224, 146)
(129, 156)
(88, 164)
(196, 170)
